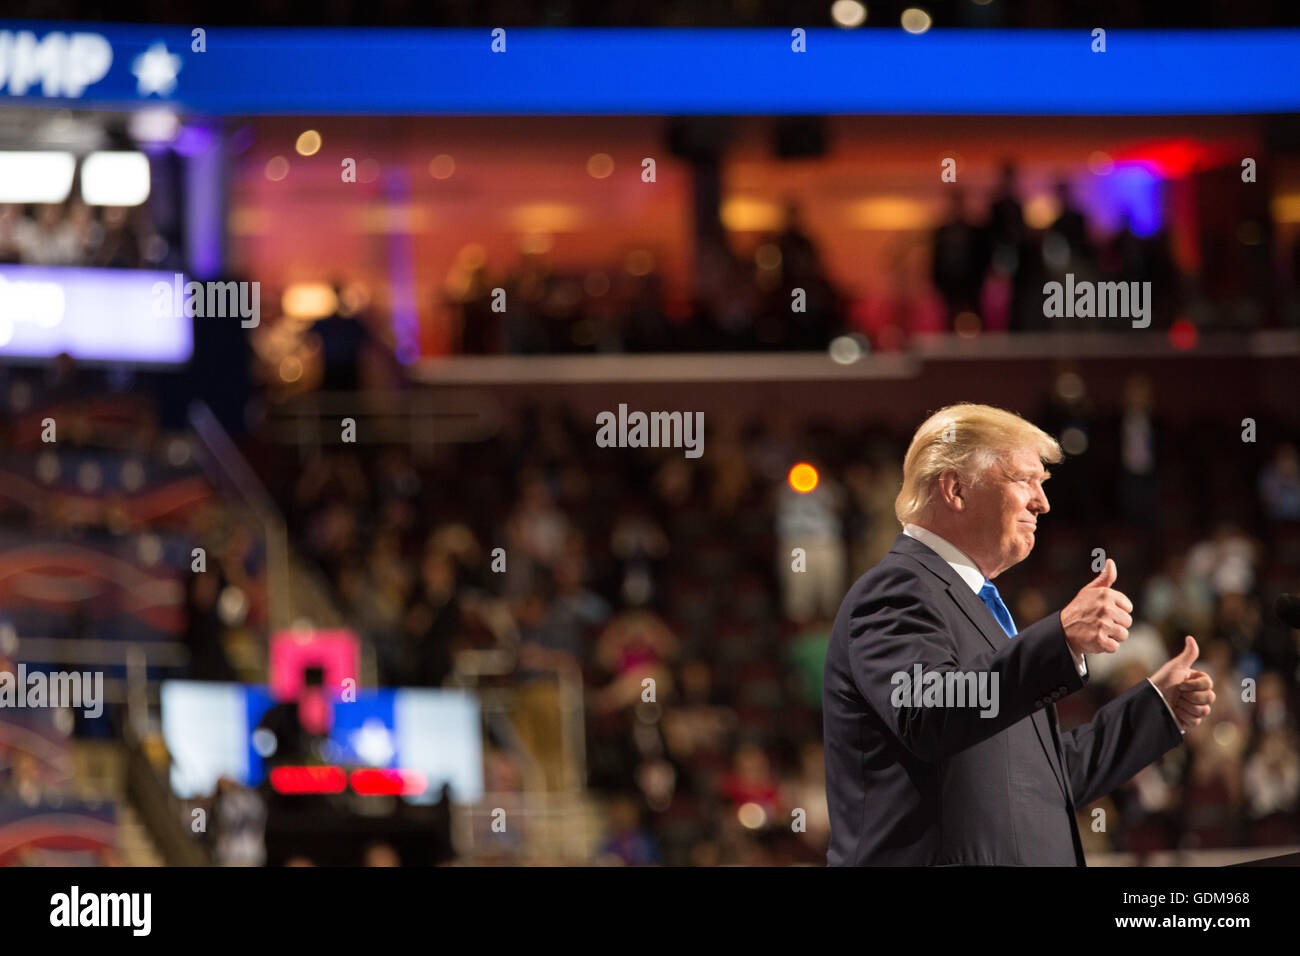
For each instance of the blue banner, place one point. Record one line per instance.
(256, 71)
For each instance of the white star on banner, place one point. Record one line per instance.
(155, 70)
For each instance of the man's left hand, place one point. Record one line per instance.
(1189, 693)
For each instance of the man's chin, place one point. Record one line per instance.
(1024, 546)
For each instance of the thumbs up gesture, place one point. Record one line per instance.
(1098, 619)
(1189, 693)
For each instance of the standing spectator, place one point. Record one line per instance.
(575, 607)
(551, 653)
(120, 247)
(204, 628)
(1279, 485)
(10, 251)
(536, 530)
(1010, 256)
(1071, 227)
(1138, 495)
(1226, 560)
(811, 521)
(343, 341)
(1272, 775)
(957, 268)
(638, 544)
(481, 330)
(49, 240)
(431, 621)
(239, 822)
(1177, 601)
(799, 259)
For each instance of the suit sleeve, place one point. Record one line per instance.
(1133, 730)
(895, 625)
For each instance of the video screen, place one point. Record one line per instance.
(212, 731)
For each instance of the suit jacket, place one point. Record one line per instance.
(915, 785)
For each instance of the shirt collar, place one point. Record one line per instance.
(956, 558)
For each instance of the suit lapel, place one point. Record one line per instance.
(987, 625)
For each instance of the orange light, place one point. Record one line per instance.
(803, 477)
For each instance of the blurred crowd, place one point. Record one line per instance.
(739, 302)
(115, 495)
(666, 589)
(75, 234)
(994, 267)
(100, 527)
(987, 271)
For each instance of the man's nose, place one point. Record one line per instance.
(1039, 505)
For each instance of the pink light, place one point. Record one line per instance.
(336, 652)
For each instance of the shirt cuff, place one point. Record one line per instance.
(1080, 664)
(1167, 707)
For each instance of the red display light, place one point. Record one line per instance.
(299, 780)
(392, 783)
(1176, 158)
(1183, 335)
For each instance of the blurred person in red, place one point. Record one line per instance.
(752, 782)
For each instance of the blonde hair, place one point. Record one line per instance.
(968, 439)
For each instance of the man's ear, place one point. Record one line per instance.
(951, 490)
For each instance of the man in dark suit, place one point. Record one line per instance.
(941, 738)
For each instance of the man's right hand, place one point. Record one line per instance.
(1098, 619)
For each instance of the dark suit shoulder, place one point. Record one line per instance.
(900, 588)
(898, 567)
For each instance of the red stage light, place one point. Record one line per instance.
(1183, 335)
(309, 780)
(1176, 158)
(391, 783)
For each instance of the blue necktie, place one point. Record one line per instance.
(993, 601)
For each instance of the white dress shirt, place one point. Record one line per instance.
(960, 562)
